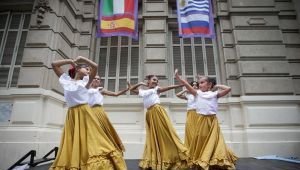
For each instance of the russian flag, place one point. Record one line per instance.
(195, 18)
(118, 18)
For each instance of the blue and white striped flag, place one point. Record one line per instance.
(195, 18)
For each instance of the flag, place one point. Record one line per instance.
(195, 18)
(118, 18)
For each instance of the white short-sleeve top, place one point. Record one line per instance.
(191, 101)
(95, 96)
(150, 96)
(74, 90)
(207, 102)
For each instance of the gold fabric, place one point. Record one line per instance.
(191, 118)
(207, 148)
(84, 145)
(163, 148)
(108, 128)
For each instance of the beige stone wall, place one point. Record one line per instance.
(259, 55)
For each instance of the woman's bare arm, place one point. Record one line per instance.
(163, 89)
(56, 65)
(134, 87)
(223, 90)
(185, 83)
(181, 95)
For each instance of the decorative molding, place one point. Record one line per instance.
(42, 7)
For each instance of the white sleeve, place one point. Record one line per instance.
(64, 79)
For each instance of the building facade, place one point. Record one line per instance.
(256, 51)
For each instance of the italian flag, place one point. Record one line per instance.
(118, 18)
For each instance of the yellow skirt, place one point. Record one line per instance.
(84, 145)
(163, 149)
(208, 147)
(190, 127)
(108, 128)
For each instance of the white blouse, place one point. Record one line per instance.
(191, 101)
(150, 96)
(207, 102)
(95, 97)
(74, 90)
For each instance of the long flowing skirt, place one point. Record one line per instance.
(208, 147)
(190, 127)
(163, 148)
(84, 145)
(108, 128)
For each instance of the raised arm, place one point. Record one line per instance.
(92, 64)
(163, 89)
(56, 65)
(181, 95)
(223, 90)
(134, 87)
(110, 93)
(185, 83)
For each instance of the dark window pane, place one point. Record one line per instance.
(15, 77)
(9, 48)
(122, 84)
(26, 21)
(1, 36)
(177, 58)
(208, 41)
(175, 37)
(186, 40)
(102, 62)
(133, 82)
(111, 85)
(123, 61)
(3, 19)
(188, 60)
(124, 41)
(15, 21)
(134, 61)
(103, 41)
(199, 60)
(197, 40)
(112, 62)
(210, 61)
(21, 48)
(114, 41)
(3, 76)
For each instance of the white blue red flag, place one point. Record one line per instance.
(195, 18)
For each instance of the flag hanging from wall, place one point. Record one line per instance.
(118, 18)
(195, 18)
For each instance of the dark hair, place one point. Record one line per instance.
(212, 81)
(150, 76)
(192, 82)
(72, 72)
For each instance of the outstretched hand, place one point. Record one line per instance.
(176, 73)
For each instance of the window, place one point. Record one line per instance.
(193, 56)
(13, 33)
(118, 61)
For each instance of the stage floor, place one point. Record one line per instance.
(242, 164)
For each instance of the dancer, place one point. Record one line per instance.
(207, 148)
(84, 145)
(163, 149)
(191, 112)
(96, 102)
